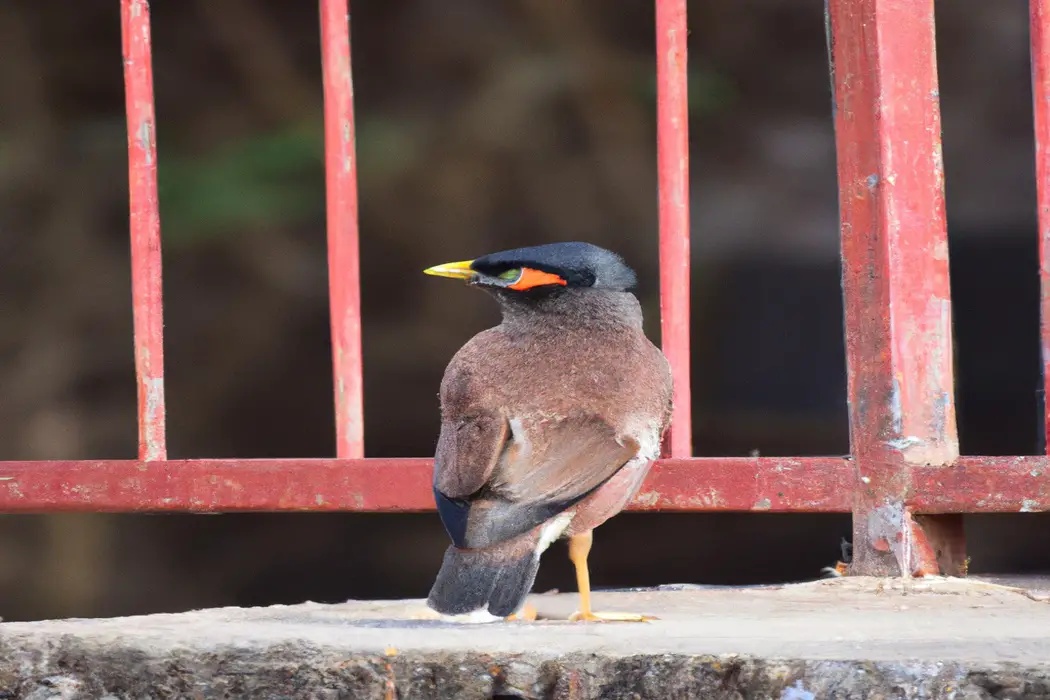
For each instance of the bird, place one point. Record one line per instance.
(550, 421)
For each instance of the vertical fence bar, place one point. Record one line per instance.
(672, 135)
(1040, 39)
(343, 264)
(895, 278)
(146, 283)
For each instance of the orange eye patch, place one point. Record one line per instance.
(535, 278)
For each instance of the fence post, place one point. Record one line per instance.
(344, 271)
(1040, 52)
(146, 284)
(672, 136)
(895, 279)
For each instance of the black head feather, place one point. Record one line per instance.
(579, 264)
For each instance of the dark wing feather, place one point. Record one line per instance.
(466, 454)
(532, 482)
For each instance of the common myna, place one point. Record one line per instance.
(549, 422)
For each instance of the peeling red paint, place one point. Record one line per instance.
(702, 484)
(988, 484)
(672, 123)
(1040, 52)
(935, 547)
(146, 286)
(341, 204)
(895, 267)
(895, 530)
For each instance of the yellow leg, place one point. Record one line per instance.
(579, 549)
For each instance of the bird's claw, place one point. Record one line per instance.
(527, 613)
(610, 617)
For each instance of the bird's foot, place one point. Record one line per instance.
(836, 571)
(609, 617)
(527, 613)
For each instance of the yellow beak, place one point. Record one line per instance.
(457, 270)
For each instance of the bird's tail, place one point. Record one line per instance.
(496, 578)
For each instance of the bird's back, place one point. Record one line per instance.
(549, 423)
(612, 370)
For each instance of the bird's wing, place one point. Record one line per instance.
(495, 480)
(467, 450)
(559, 460)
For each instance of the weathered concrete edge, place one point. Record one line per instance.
(72, 668)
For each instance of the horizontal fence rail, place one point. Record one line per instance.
(904, 481)
(699, 484)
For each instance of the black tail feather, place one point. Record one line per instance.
(492, 578)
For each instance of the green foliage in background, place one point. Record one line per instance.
(276, 178)
(709, 92)
(269, 179)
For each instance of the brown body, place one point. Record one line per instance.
(550, 422)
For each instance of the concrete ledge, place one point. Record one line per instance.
(843, 638)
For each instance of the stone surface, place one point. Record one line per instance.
(840, 638)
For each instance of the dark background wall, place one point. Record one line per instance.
(481, 126)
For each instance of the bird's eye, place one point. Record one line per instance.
(511, 275)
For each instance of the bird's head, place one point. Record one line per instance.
(543, 268)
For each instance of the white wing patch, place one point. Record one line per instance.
(553, 530)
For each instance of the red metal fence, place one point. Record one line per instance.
(904, 482)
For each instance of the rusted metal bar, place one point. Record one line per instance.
(672, 135)
(146, 286)
(707, 484)
(344, 275)
(761, 484)
(715, 484)
(217, 485)
(983, 485)
(895, 278)
(1040, 51)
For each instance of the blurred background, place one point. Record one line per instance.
(481, 126)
